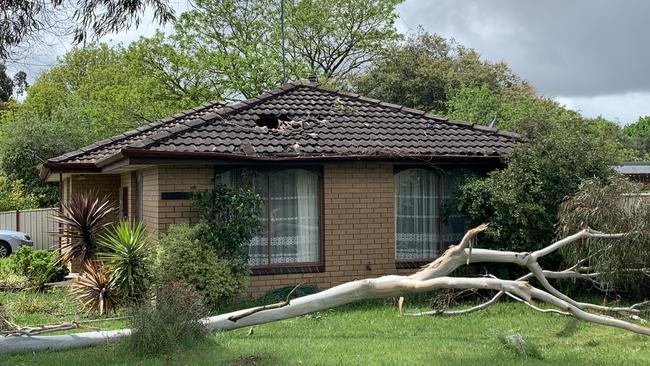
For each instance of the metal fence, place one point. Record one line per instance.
(37, 223)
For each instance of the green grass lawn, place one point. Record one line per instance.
(372, 334)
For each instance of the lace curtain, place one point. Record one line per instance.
(416, 214)
(294, 213)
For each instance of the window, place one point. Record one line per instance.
(291, 215)
(425, 218)
(416, 214)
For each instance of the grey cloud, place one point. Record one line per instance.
(569, 48)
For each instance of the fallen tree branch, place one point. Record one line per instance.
(257, 309)
(432, 277)
(41, 329)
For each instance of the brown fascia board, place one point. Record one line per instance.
(50, 167)
(153, 154)
(53, 167)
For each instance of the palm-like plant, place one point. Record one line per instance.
(128, 254)
(94, 288)
(83, 218)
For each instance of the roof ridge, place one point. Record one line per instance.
(228, 109)
(130, 133)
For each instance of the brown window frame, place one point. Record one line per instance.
(288, 268)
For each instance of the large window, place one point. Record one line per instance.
(425, 218)
(290, 217)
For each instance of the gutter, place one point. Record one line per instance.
(49, 167)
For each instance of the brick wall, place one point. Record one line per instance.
(358, 218)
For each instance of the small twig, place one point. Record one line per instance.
(29, 331)
(257, 309)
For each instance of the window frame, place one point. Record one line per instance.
(286, 268)
(441, 176)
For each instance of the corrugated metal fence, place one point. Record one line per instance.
(37, 223)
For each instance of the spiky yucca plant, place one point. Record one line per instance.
(83, 218)
(128, 254)
(94, 289)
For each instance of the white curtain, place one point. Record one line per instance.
(294, 217)
(416, 214)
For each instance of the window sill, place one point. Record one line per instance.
(267, 271)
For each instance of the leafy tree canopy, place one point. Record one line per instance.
(236, 46)
(426, 70)
(90, 94)
(639, 134)
(24, 22)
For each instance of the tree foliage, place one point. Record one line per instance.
(90, 94)
(639, 135)
(23, 21)
(237, 44)
(521, 201)
(426, 70)
(230, 218)
(14, 196)
(613, 205)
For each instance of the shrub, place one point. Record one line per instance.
(39, 266)
(128, 254)
(83, 218)
(9, 279)
(182, 256)
(230, 218)
(172, 322)
(94, 289)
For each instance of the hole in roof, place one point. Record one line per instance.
(271, 121)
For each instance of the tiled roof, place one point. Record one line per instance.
(313, 122)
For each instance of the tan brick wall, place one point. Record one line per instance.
(150, 201)
(358, 219)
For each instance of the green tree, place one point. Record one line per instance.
(426, 70)
(13, 196)
(90, 94)
(26, 21)
(639, 135)
(238, 44)
(6, 85)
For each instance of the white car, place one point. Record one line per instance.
(11, 241)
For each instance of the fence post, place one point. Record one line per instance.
(17, 220)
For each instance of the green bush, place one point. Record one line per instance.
(182, 256)
(9, 279)
(128, 254)
(230, 218)
(169, 324)
(39, 266)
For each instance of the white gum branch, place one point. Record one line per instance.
(434, 276)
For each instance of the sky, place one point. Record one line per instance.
(591, 55)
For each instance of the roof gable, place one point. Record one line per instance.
(313, 121)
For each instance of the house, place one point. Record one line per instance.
(353, 187)
(635, 171)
